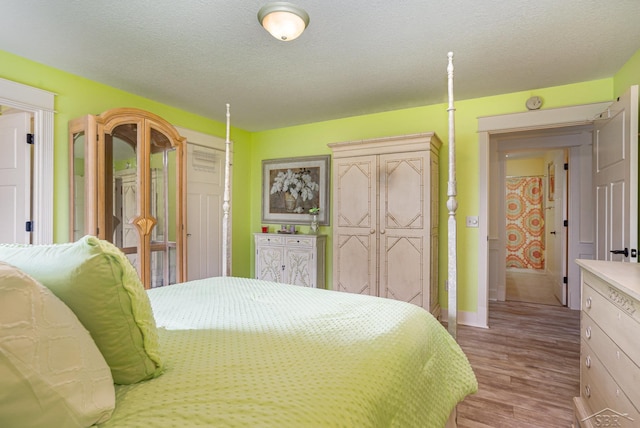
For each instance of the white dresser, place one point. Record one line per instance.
(291, 259)
(610, 345)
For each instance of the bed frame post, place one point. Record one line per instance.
(226, 241)
(452, 206)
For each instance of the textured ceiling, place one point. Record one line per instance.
(356, 57)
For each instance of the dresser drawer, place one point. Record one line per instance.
(300, 241)
(617, 322)
(619, 366)
(269, 239)
(598, 389)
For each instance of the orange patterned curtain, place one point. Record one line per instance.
(525, 223)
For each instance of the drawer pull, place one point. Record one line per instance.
(587, 332)
(587, 391)
(587, 361)
(587, 303)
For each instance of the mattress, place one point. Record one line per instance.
(248, 353)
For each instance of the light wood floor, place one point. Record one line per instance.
(527, 366)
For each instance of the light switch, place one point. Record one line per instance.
(472, 221)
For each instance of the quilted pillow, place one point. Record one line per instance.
(99, 284)
(51, 372)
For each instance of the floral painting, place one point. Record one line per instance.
(294, 186)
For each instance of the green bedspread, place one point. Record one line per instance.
(248, 353)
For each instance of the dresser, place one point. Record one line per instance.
(291, 259)
(610, 345)
(385, 218)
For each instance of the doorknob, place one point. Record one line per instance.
(625, 252)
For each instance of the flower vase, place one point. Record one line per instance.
(289, 202)
(314, 223)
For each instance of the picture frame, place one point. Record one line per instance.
(292, 186)
(551, 184)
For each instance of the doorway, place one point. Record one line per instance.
(535, 239)
(39, 103)
(562, 126)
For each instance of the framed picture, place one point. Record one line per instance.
(293, 186)
(551, 174)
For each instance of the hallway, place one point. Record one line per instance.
(530, 286)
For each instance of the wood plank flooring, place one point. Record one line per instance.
(527, 366)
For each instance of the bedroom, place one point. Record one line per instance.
(77, 96)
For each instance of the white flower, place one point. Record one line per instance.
(298, 184)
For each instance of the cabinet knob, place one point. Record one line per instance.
(382, 232)
(587, 303)
(587, 361)
(372, 231)
(587, 391)
(587, 332)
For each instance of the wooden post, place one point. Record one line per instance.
(452, 206)
(226, 206)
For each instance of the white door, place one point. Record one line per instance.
(15, 178)
(205, 189)
(556, 231)
(615, 160)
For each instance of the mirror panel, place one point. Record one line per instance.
(163, 209)
(78, 185)
(124, 188)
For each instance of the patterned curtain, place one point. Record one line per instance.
(525, 223)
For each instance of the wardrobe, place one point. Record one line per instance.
(127, 172)
(385, 218)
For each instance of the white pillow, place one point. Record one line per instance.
(51, 371)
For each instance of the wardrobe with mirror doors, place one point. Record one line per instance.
(127, 172)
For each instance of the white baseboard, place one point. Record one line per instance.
(465, 318)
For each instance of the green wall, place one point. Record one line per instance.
(312, 139)
(77, 96)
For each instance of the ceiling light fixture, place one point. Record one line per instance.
(285, 21)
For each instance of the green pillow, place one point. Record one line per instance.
(51, 372)
(99, 284)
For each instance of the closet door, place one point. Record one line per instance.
(355, 185)
(404, 232)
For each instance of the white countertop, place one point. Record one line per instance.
(624, 276)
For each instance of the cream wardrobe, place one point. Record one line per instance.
(385, 218)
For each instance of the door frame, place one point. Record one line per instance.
(39, 103)
(489, 128)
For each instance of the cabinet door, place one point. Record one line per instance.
(404, 227)
(355, 223)
(270, 263)
(300, 267)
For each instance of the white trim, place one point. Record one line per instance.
(515, 122)
(40, 103)
(471, 319)
(201, 139)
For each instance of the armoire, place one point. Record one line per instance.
(385, 218)
(127, 172)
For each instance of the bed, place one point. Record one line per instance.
(82, 343)
(218, 352)
(254, 353)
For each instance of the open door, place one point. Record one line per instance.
(615, 162)
(15, 178)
